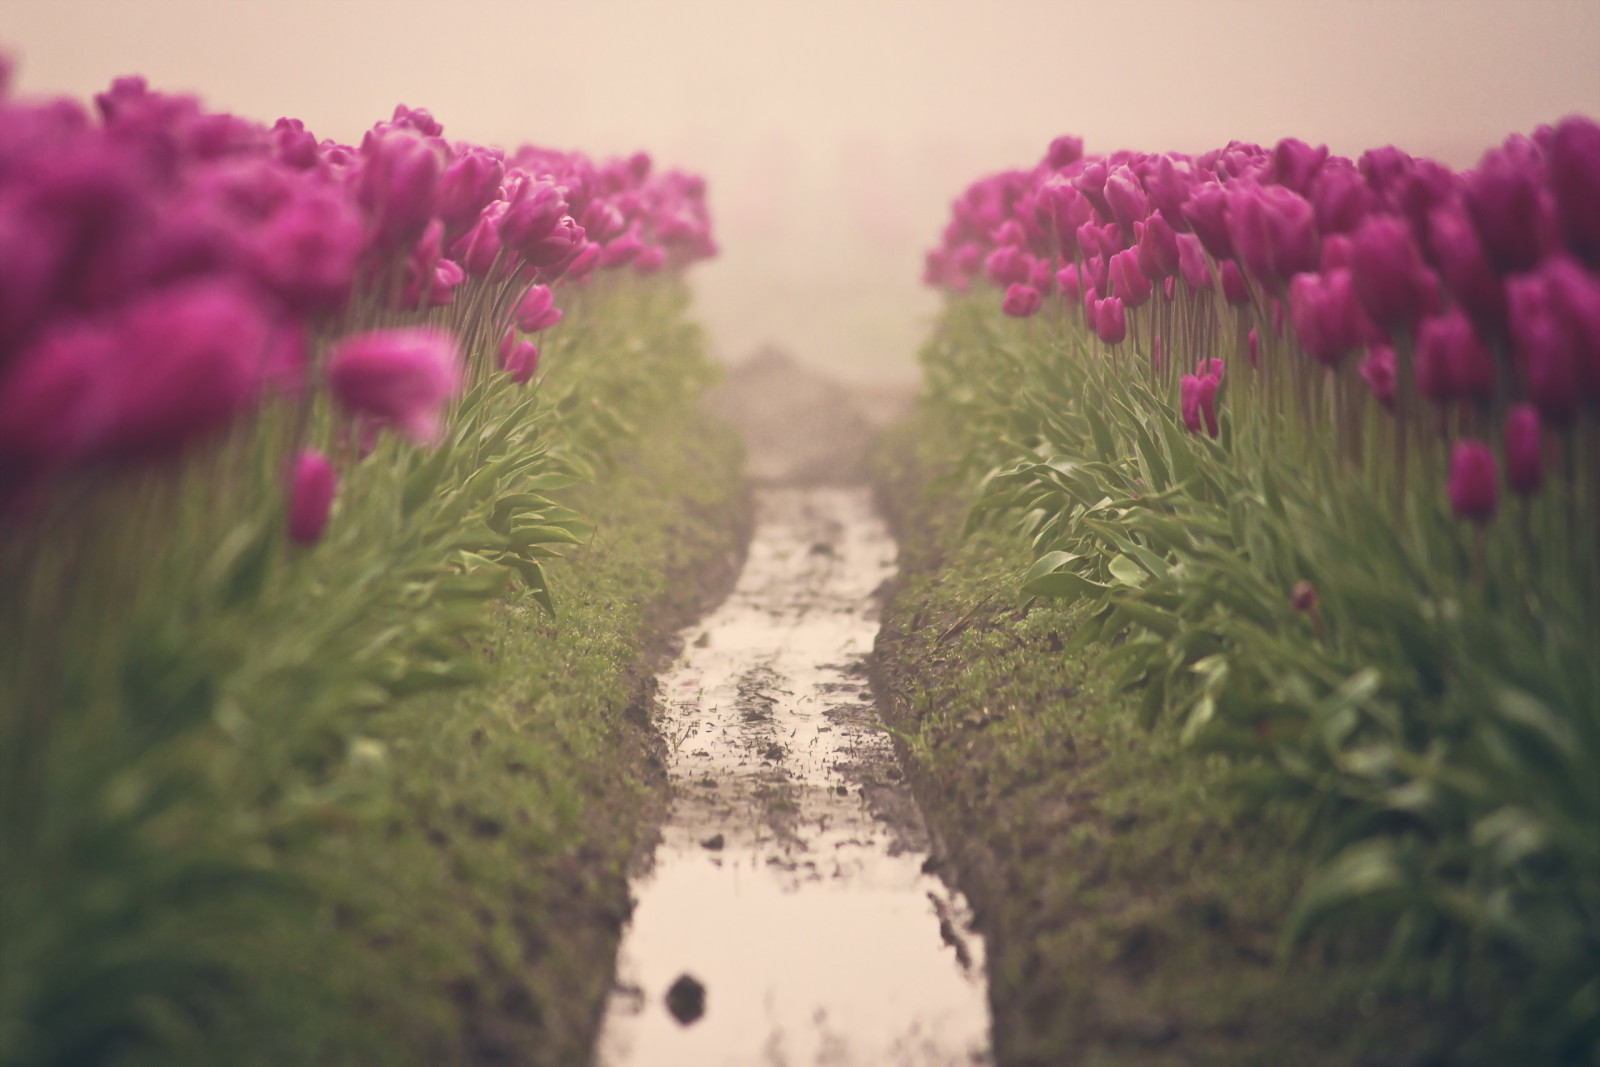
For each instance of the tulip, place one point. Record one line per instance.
(1524, 449)
(307, 253)
(1473, 481)
(1197, 397)
(1556, 333)
(1091, 182)
(1234, 288)
(1006, 265)
(398, 185)
(1068, 210)
(1126, 198)
(1064, 151)
(1207, 214)
(1273, 230)
(466, 187)
(479, 249)
(532, 216)
(1110, 321)
(1295, 164)
(1450, 360)
(1168, 184)
(537, 311)
(401, 378)
(1067, 282)
(520, 359)
(1573, 168)
(312, 483)
(1127, 281)
(1513, 212)
(1465, 269)
(1158, 248)
(1327, 317)
(1192, 263)
(1378, 371)
(1020, 301)
(1341, 199)
(1394, 285)
(1043, 276)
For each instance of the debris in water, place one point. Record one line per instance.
(686, 1000)
(714, 843)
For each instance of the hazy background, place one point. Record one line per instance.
(834, 134)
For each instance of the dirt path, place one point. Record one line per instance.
(788, 917)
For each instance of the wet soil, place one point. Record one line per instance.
(789, 914)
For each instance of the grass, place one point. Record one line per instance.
(466, 898)
(1132, 908)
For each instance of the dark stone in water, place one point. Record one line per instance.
(714, 842)
(686, 1000)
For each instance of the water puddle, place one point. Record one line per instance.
(788, 918)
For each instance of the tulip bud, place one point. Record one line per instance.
(520, 359)
(1197, 401)
(537, 310)
(1451, 361)
(1234, 289)
(1207, 214)
(1394, 285)
(1513, 213)
(1091, 182)
(312, 483)
(1110, 321)
(398, 184)
(401, 378)
(1524, 449)
(1378, 371)
(1303, 597)
(1192, 263)
(1020, 301)
(466, 188)
(1127, 199)
(1158, 248)
(1295, 164)
(1473, 481)
(1064, 151)
(1127, 281)
(1573, 165)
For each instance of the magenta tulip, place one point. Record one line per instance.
(1234, 288)
(1524, 449)
(1192, 263)
(1198, 403)
(519, 359)
(1451, 362)
(1573, 167)
(537, 311)
(1110, 321)
(399, 378)
(1127, 281)
(1393, 283)
(1378, 371)
(1020, 301)
(312, 483)
(1473, 485)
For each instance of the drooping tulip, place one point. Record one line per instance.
(312, 484)
(1473, 487)
(1524, 449)
(1020, 301)
(1197, 401)
(518, 358)
(399, 378)
(1110, 320)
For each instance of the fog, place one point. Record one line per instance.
(834, 134)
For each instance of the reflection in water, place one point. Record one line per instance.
(789, 882)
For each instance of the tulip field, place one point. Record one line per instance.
(293, 438)
(1312, 446)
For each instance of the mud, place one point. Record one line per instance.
(790, 915)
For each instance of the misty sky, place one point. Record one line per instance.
(834, 134)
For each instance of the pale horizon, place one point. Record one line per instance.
(834, 135)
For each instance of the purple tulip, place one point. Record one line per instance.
(312, 484)
(307, 253)
(400, 378)
(1007, 265)
(1197, 402)
(1067, 282)
(1394, 284)
(1524, 449)
(1327, 317)
(1513, 212)
(1207, 214)
(1450, 359)
(1127, 281)
(1234, 288)
(532, 216)
(1091, 182)
(1555, 327)
(1378, 371)
(1192, 263)
(1110, 321)
(1020, 301)
(1064, 151)
(1295, 164)
(398, 184)
(1127, 199)
(1341, 198)
(1473, 481)
(1458, 255)
(1573, 166)
(1168, 182)
(466, 187)
(1273, 230)
(537, 311)
(1068, 210)
(1158, 248)
(519, 359)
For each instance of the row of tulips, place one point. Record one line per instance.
(1259, 409)
(276, 439)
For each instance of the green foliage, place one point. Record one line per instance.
(1431, 719)
(187, 700)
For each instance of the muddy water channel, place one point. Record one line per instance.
(787, 917)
